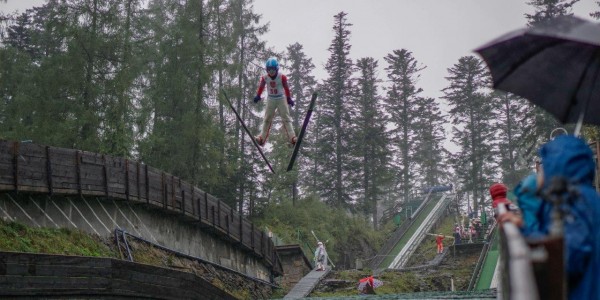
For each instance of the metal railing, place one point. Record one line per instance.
(518, 281)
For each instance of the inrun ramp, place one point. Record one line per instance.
(405, 243)
(307, 284)
(409, 243)
(488, 277)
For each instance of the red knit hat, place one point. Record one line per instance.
(498, 193)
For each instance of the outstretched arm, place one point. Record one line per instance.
(261, 86)
(286, 87)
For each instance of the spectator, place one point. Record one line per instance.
(529, 204)
(565, 181)
(457, 237)
(498, 193)
(478, 229)
(320, 257)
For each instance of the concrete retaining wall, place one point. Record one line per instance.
(102, 216)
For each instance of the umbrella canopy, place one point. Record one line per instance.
(375, 283)
(555, 65)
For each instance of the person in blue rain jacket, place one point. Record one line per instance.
(567, 172)
(564, 182)
(529, 204)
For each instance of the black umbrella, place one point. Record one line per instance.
(555, 65)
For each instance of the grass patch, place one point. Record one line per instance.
(17, 237)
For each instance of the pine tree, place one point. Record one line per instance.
(334, 118)
(118, 126)
(402, 73)
(510, 121)
(302, 85)
(431, 157)
(79, 59)
(371, 139)
(548, 9)
(473, 132)
(248, 68)
(181, 137)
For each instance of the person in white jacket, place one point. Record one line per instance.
(320, 257)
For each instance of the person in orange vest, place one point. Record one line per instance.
(440, 245)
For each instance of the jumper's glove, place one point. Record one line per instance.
(256, 98)
(290, 102)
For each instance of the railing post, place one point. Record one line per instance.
(49, 171)
(182, 198)
(241, 229)
(137, 179)
(105, 173)
(127, 180)
(78, 171)
(163, 187)
(16, 166)
(147, 184)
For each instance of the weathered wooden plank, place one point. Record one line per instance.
(52, 259)
(234, 225)
(52, 270)
(187, 201)
(7, 173)
(45, 275)
(50, 285)
(91, 158)
(32, 151)
(115, 169)
(248, 234)
(133, 180)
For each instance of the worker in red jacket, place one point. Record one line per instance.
(440, 245)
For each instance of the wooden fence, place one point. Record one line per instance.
(58, 277)
(34, 168)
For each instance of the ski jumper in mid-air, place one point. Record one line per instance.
(278, 99)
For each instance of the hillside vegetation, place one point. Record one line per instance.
(347, 237)
(17, 237)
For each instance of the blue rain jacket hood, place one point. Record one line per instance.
(571, 158)
(529, 203)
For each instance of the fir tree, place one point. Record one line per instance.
(334, 118)
(431, 157)
(548, 9)
(472, 130)
(511, 122)
(371, 139)
(403, 71)
(302, 85)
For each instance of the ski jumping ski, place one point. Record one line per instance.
(311, 106)
(248, 132)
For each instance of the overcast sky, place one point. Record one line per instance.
(437, 32)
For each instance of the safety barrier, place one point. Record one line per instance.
(33, 168)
